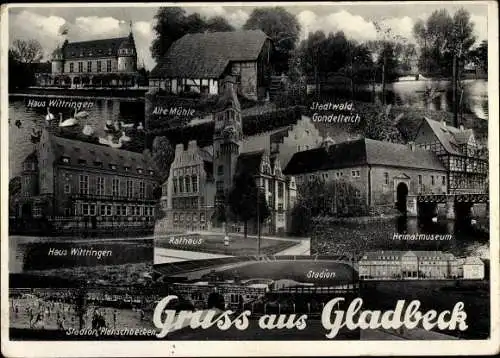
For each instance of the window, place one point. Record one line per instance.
(220, 170)
(142, 190)
(355, 173)
(71, 67)
(130, 190)
(67, 189)
(89, 66)
(80, 66)
(175, 185)
(108, 66)
(386, 178)
(432, 180)
(98, 66)
(85, 209)
(339, 174)
(84, 184)
(194, 179)
(188, 184)
(116, 187)
(419, 180)
(92, 209)
(219, 185)
(181, 184)
(109, 210)
(280, 207)
(443, 180)
(65, 160)
(281, 189)
(100, 186)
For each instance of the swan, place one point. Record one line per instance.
(68, 122)
(435, 219)
(108, 126)
(124, 137)
(140, 127)
(129, 125)
(49, 115)
(88, 130)
(81, 115)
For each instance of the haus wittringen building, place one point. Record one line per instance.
(64, 179)
(198, 63)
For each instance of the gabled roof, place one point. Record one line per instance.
(94, 48)
(206, 55)
(361, 152)
(249, 163)
(450, 137)
(85, 154)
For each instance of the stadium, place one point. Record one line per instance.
(263, 285)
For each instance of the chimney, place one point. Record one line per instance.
(179, 148)
(192, 145)
(462, 128)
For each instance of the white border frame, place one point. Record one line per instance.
(259, 348)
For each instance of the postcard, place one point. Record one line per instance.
(250, 179)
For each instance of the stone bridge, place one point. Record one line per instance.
(459, 203)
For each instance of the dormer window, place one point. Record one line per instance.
(139, 170)
(151, 172)
(65, 160)
(112, 166)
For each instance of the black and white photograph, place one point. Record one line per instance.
(203, 172)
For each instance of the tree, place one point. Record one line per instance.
(479, 55)
(26, 51)
(163, 155)
(441, 38)
(218, 24)
(317, 198)
(172, 23)
(283, 29)
(246, 201)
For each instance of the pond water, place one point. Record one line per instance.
(34, 118)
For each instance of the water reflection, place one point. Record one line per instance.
(34, 118)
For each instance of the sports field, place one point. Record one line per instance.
(297, 270)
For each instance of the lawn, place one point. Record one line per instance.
(238, 245)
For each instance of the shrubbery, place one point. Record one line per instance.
(326, 199)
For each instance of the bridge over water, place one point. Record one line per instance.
(455, 205)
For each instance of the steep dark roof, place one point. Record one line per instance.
(307, 161)
(249, 163)
(206, 55)
(361, 152)
(450, 137)
(94, 48)
(84, 154)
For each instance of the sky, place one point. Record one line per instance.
(95, 22)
